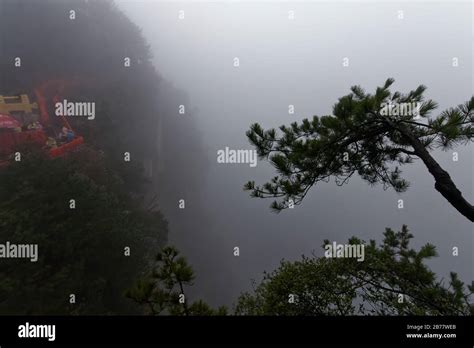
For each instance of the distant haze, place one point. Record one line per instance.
(299, 62)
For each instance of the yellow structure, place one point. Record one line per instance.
(19, 103)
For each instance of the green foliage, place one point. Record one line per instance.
(321, 286)
(162, 290)
(359, 138)
(344, 286)
(81, 251)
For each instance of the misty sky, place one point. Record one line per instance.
(299, 62)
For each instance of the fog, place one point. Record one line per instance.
(299, 62)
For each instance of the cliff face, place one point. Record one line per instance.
(87, 51)
(98, 56)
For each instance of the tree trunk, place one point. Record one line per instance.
(443, 182)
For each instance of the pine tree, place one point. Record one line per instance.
(368, 135)
(161, 291)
